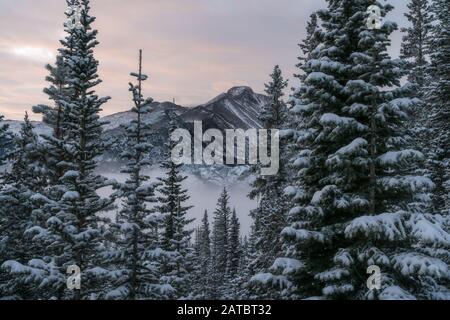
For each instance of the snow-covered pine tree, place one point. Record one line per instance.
(220, 247)
(417, 39)
(178, 254)
(22, 182)
(73, 232)
(274, 113)
(6, 141)
(355, 191)
(270, 215)
(234, 245)
(307, 47)
(235, 268)
(310, 42)
(438, 96)
(134, 252)
(28, 167)
(415, 50)
(203, 260)
(58, 92)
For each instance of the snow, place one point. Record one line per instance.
(263, 278)
(71, 174)
(331, 119)
(290, 191)
(384, 226)
(429, 231)
(15, 267)
(304, 235)
(117, 293)
(395, 293)
(394, 157)
(333, 290)
(71, 196)
(237, 91)
(318, 76)
(287, 265)
(166, 289)
(335, 274)
(403, 103)
(343, 258)
(320, 195)
(326, 65)
(415, 183)
(54, 221)
(36, 232)
(268, 278)
(414, 263)
(39, 127)
(352, 148)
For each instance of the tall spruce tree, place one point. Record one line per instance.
(220, 245)
(203, 261)
(270, 215)
(355, 189)
(438, 94)
(175, 239)
(310, 42)
(73, 232)
(59, 93)
(6, 141)
(134, 253)
(417, 39)
(415, 50)
(234, 246)
(21, 184)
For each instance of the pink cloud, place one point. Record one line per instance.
(193, 49)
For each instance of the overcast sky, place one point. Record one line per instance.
(193, 49)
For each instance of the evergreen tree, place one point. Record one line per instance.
(203, 261)
(416, 41)
(59, 92)
(6, 141)
(356, 192)
(135, 249)
(415, 50)
(16, 207)
(27, 164)
(175, 240)
(73, 232)
(273, 115)
(438, 94)
(311, 41)
(270, 215)
(234, 246)
(220, 245)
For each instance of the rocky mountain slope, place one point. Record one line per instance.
(238, 108)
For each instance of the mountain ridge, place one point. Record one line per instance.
(235, 109)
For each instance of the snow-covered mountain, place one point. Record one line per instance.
(39, 127)
(157, 116)
(237, 108)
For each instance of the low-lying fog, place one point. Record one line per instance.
(204, 196)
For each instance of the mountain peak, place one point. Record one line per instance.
(238, 91)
